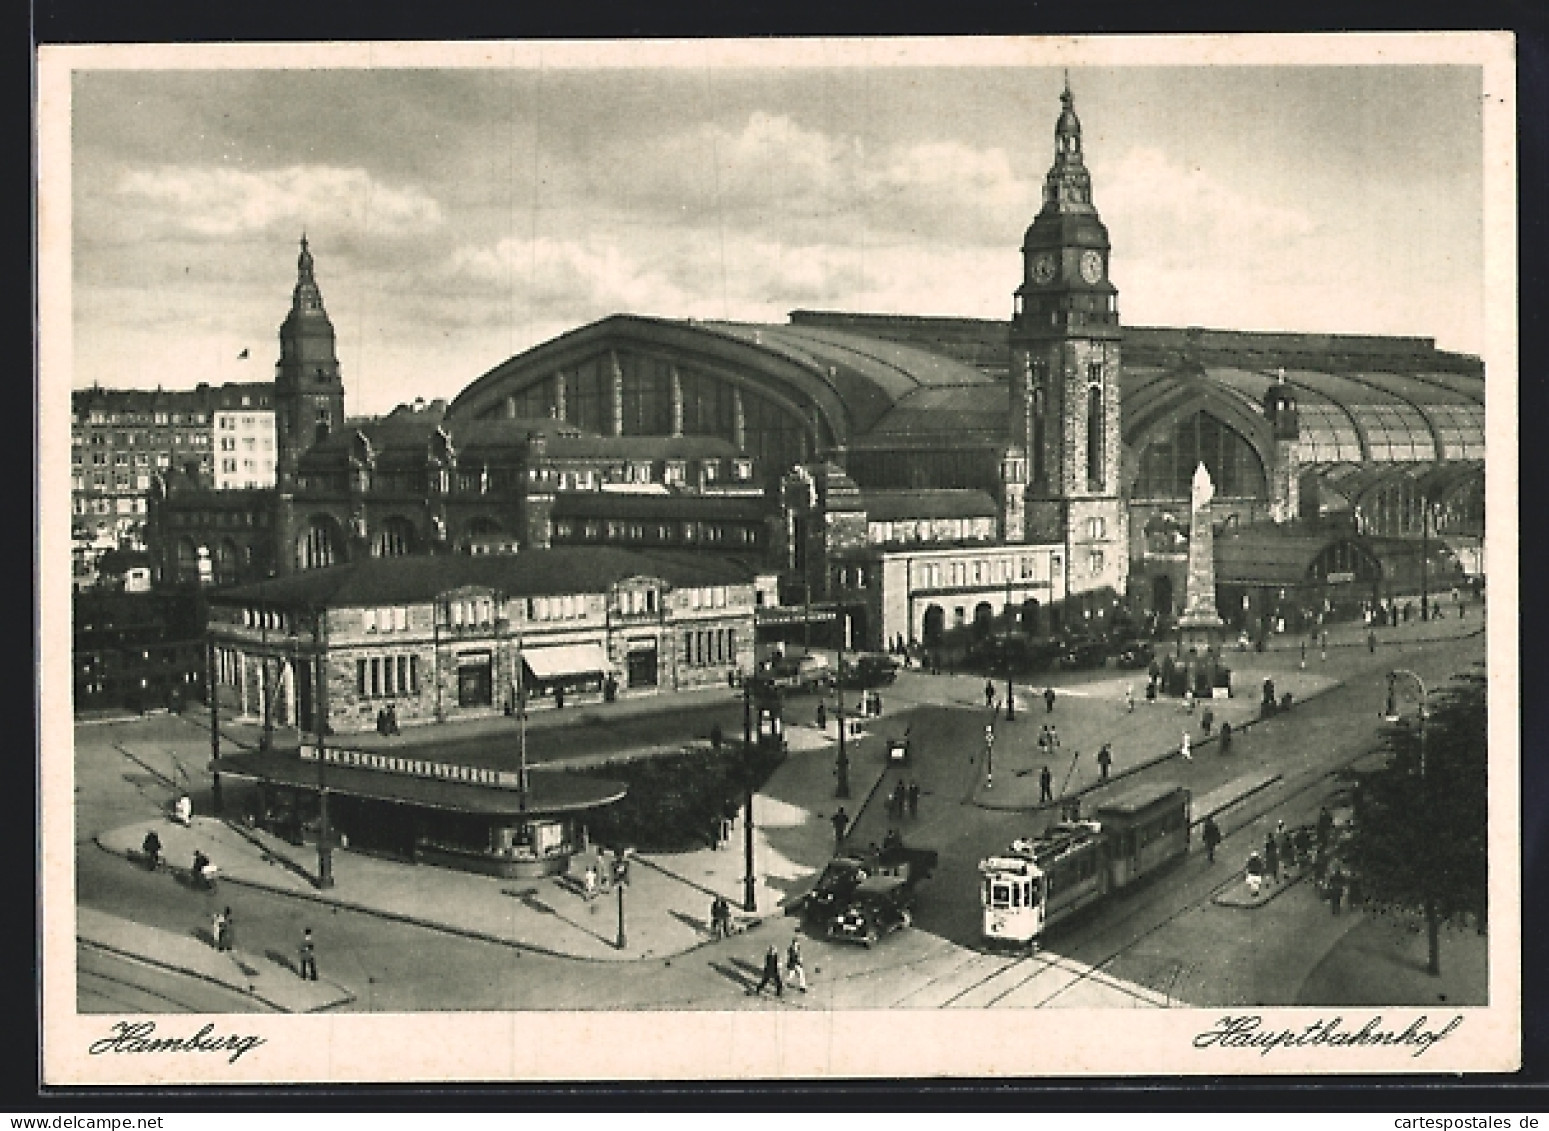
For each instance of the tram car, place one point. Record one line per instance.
(1074, 864)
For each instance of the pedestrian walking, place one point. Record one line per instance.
(1272, 856)
(897, 800)
(717, 736)
(989, 693)
(151, 847)
(1048, 700)
(183, 810)
(1207, 720)
(914, 799)
(1104, 760)
(1371, 643)
(1336, 889)
(795, 970)
(1129, 698)
(1043, 738)
(1188, 700)
(771, 973)
(1253, 873)
(1211, 835)
(218, 929)
(308, 954)
(1045, 785)
(1304, 653)
(1151, 692)
(841, 823)
(1183, 748)
(876, 703)
(1226, 738)
(1325, 828)
(823, 718)
(1287, 850)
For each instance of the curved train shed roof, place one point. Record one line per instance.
(883, 381)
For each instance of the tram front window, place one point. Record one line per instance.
(1000, 895)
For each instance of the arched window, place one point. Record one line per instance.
(1095, 429)
(396, 538)
(318, 546)
(1167, 464)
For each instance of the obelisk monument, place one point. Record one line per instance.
(1201, 627)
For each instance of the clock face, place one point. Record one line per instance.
(1091, 266)
(1043, 269)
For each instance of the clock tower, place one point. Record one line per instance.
(1065, 359)
(308, 390)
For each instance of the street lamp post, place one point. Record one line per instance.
(320, 708)
(266, 736)
(1432, 926)
(989, 756)
(749, 895)
(1011, 698)
(210, 684)
(842, 769)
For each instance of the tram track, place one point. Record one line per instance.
(1128, 910)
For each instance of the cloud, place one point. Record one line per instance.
(218, 203)
(808, 185)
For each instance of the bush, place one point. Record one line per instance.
(674, 801)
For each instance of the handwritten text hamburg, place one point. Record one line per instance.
(140, 1037)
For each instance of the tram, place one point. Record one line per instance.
(1074, 864)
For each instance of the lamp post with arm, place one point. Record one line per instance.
(749, 886)
(1427, 880)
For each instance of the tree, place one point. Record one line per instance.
(1419, 841)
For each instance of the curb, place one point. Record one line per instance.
(411, 920)
(203, 977)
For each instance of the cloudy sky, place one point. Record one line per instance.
(459, 216)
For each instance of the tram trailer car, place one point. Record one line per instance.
(1073, 864)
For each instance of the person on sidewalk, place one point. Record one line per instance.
(1207, 721)
(1272, 857)
(1226, 738)
(822, 718)
(989, 694)
(841, 823)
(1371, 643)
(151, 847)
(218, 927)
(1104, 760)
(183, 810)
(914, 799)
(795, 971)
(1183, 748)
(1151, 692)
(1129, 698)
(771, 973)
(1188, 700)
(1048, 700)
(1212, 837)
(1045, 785)
(1304, 654)
(720, 918)
(1336, 889)
(308, 955)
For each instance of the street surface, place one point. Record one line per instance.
(1167, 943)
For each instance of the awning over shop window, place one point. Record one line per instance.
(567, 659)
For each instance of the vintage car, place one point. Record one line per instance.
(867, 671)
(894, 865)
(1083, 652)
(1134, 654)
(878, 906)
(800, 673)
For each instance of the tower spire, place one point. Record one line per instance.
(306, 299)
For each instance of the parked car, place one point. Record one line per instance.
(801, 673)
(1084, 652)
(868, 670)
(1134, 654)
(1014, 652)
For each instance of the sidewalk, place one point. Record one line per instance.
(666, 905)
(271, 979)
